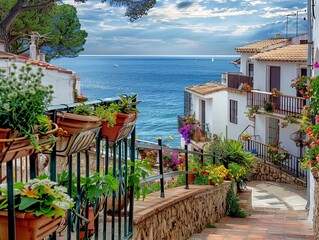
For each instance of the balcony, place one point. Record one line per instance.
(284, 105)
(234, 80)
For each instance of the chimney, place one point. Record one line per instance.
(33, 48)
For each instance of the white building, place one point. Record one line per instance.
(65, 83)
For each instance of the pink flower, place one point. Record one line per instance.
(316, 65)
(317, 158)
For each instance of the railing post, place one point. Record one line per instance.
(132, 156)
(11, 210)
(202, 157)
(186, 166)
(160, 154)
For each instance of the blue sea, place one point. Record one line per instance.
(159, 82)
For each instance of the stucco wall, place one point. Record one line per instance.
(316, 209)
(63, 83)
(181, 213)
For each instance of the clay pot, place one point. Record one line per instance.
(28, 226)
(123, 127)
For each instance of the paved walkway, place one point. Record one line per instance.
(278, 213)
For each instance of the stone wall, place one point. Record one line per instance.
(267, 172)
(181, 213)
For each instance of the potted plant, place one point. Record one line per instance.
(245, 136)
(275, 92)
(252, 111)
(268, 107)
(246, 87)
(40, 204)
(23, 105)
(119, 119)
(90, 201)
(300, 83)
(77, 130)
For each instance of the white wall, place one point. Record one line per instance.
(244, 57)
(288, 71)
(217, 113)
(63, 83)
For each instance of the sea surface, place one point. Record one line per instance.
(159, 82)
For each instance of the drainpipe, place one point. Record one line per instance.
(309, 67)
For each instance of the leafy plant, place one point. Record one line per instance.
(232, 204)
(128, 104)
(275, 92)
(246, 87)
(84, 110)
(142, 169)
(300, 83)
(236, 171)
(23, 101)
(268, 106)
(252, 111)
(39, 196)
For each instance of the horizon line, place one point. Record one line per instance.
(142, 55)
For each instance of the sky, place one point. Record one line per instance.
(192, 27)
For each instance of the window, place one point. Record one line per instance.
(251, 70)
(233, 111)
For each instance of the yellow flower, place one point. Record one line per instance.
(29, 192)
(158, 138)
(170, 137)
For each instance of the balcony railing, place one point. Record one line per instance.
(101, 156)
(234, 80)
(285, 105)
(291, 164)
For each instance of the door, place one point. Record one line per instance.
(274, 82)
(273, 131)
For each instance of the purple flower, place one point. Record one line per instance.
(186, 132)
(316, 65)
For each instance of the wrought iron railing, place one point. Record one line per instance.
(285, 105)
(101, 156)
(292, 164)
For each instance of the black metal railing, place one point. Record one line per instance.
(115, 219)
(285, 105)
(115, 224)
(292, 164)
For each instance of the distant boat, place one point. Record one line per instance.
(213, 60)
(115, 65)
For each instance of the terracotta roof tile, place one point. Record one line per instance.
(290, 53)
(263, 45)
(206, 88)
(5, 55)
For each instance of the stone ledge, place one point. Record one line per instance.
(181, 213)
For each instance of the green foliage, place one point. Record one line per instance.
(93, 188)
(252, 111)
(24, 101)
(39, 196)
(142, 169)
(268, 107)
(228, 150)
(232, 204)
(128, 104)
(84, 110)
(237, 172)
(107, 113)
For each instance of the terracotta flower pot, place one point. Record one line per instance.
(12, 148)
(76, 133)
(74, 123)
(90, 226)
(123, 127)
(28, 226)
